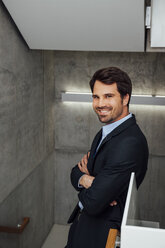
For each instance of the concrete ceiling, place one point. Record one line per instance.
(85, 25)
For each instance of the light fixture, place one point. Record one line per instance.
(76, 97)
(135, 99)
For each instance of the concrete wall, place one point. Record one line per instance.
(76, 124)
(26, 137)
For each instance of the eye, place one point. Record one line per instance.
(108, 96)
(95, 97)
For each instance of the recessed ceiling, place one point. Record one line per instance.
(85, 25)
(158, 23)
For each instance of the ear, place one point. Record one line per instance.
(125, 100)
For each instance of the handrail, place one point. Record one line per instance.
(19, 229)
(111, 238)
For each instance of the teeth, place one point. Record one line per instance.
(104, 111)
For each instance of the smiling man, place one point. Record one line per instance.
(108, 104)
(102, 176)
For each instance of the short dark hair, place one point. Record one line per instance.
(113, 75)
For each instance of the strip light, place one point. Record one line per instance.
(135, 99)
(76, 97)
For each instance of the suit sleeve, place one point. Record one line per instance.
(113, 179)
(75, 176)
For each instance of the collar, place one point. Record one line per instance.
(110, 127)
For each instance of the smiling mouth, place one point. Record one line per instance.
(103, 111)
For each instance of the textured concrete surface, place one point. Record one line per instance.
(151, 192)
(32, 198)
(26, 137)
(76, 124)
(65, 195)
(57, 237)
(72, 125)
(21, 104)
(7, 133)
(36, 201)
(49, 88)
(71, 72)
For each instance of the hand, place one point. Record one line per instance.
(114, 203)
(86, 181)
(82, 165)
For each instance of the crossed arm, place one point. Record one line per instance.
(86, 180)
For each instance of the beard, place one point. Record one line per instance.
(111, 116)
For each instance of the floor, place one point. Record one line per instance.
(57, 237)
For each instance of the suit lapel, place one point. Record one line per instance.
(131, 121)
(93, 150)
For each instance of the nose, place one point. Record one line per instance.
(101, 102)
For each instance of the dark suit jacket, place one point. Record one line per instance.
(123, 151)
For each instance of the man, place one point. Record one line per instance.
(102, 176)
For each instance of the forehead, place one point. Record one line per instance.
(101, 88)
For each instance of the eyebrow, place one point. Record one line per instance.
(109, 94)
(106, 94)
(93, 95)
